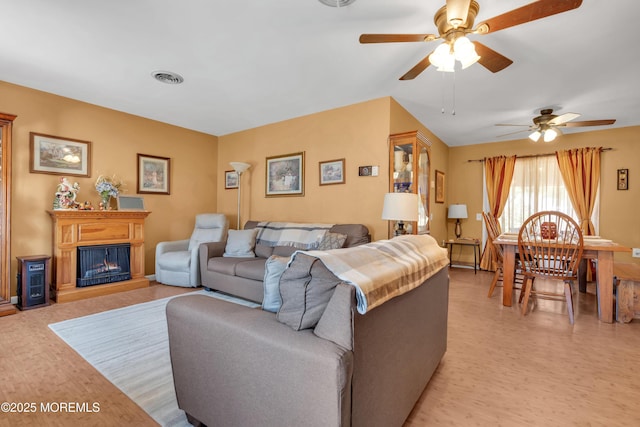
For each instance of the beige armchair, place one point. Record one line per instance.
(177, 261)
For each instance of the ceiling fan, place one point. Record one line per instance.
(547, 125)
(455, 20)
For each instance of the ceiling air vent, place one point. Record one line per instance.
(167, 77)
(336, 3)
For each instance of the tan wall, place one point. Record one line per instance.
(357, 133)
(115, 138)
(618, 209)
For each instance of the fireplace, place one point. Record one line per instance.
(100, 264)
(73, 229)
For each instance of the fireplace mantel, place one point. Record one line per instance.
(73, 228)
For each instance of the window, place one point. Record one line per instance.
(537, 186)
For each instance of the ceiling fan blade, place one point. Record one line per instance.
(457, 11)
(589, 123)
(509, 124)
(490, 59)
(417, 69)
(513, 133)
(396, 38)
(563, 118)
(530, 12)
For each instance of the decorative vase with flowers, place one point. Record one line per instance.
(107, 187)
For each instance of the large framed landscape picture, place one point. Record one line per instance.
(285, 175)
(59, 156)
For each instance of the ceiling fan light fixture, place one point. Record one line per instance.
(465, 52)
(444, 56)
(535, 136)
(440, 54)
(443, 59)
(470, 60)
(549, 135)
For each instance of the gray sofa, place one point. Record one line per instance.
(243, 277)
(238, 366)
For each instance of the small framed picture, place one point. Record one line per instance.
(623, 179)
(153, 174)
(439, 187)
(230, 180)
(332, 172)
(285, 175)
(130, 203)
(59, 156)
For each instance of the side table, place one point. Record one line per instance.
(474, 243)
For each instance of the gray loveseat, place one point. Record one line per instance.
(243, 277)
(238, 366)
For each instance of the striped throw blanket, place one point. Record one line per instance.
(298, 235)
(384, 269)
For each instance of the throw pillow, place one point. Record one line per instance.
(240, 244)
(273, 269)
(332, 241)
(306, 287)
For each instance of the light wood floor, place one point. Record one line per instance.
(500, 369)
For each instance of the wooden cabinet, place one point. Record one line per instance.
(409, 168)
(6, 123)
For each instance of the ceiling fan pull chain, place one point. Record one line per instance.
(453, 110)
(442, 90)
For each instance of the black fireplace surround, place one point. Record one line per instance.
(100, 264)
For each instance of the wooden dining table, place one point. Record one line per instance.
(595, 247)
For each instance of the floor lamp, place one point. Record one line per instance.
(239, 167)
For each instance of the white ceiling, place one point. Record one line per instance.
(247, 63)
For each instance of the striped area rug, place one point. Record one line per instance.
(130, 347)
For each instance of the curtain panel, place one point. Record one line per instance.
(580, 169)
(498, 176)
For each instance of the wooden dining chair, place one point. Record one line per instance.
(550, 246)
(493, 231)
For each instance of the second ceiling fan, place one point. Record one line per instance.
(547, 125)
(455, 20)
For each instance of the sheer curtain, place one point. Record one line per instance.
(537, 185)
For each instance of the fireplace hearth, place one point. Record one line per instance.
(100, 264)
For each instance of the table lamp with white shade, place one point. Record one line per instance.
(458, 212)
(240, 168)
(400, 207)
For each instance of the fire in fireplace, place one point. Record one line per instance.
(103, 264)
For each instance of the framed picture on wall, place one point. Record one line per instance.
(332, 172)
(153, 174)
(59, 156)
(230, 179)
(439, 187)
(285, 175)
